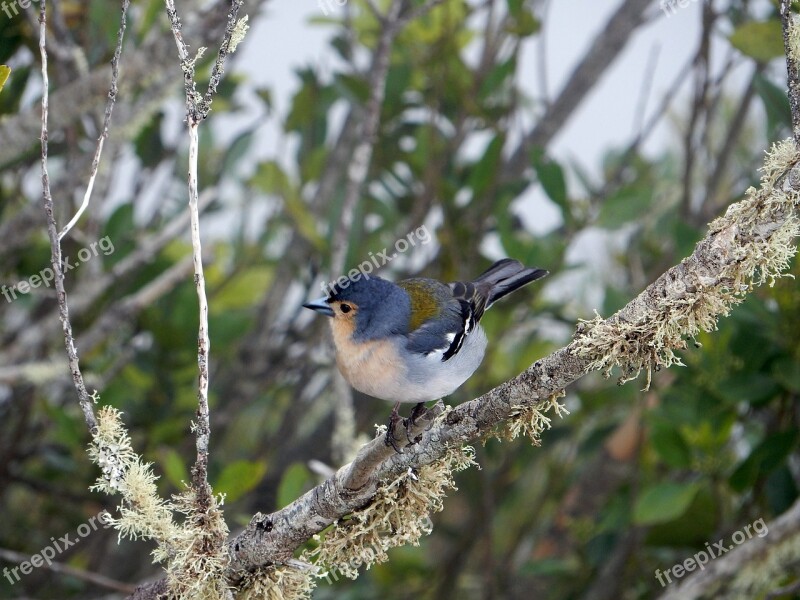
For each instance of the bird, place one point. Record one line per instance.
(417, 339)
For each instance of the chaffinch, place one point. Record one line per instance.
(418, 339)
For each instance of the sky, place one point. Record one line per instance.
(281, 40)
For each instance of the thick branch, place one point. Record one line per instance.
(604, 50)
(722, 572)
(273, 538)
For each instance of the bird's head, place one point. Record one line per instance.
(365, 308)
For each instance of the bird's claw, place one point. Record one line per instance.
(389, 439)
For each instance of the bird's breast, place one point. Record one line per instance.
(372, 366)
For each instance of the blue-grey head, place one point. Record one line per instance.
(370, 307)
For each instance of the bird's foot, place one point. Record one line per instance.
(389, 439)
(416, 412)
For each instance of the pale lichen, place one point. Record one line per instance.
(239, 31)
(763, 574)
(530, 420)
(399, 514)
(143, 514)
(750, 245)
(197, 567)
(277, 583)
(194, 551)
(794, 38)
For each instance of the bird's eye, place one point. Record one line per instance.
(345, 308)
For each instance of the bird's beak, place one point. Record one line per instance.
(321, 306)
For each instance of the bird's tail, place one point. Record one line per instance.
(503, 277)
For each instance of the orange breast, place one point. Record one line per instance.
(372, 367)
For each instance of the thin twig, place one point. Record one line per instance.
(787, 20)
(112, 96)
(644, 91)
(219, 64)
(56, 567)
(198, 107)
(203, 426)
(541, 55)
(55, 246)
(367, 135)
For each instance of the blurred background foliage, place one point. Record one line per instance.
(630, 482)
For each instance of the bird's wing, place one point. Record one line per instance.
(441, 316)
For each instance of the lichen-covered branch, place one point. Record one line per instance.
(197, 106)
(750, 570)
(791, 43)
(748, 246)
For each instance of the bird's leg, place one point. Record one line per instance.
(416, 413)
(394, 418)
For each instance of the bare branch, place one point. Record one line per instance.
(112, 96)
(202, 426)
(84, 398)
(605, 48)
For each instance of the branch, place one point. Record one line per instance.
(84, 398)
(605, 48)
(112, 96)
(197, 107)
(729, 575)
(748, 246)
(791, 44)
(203, 426)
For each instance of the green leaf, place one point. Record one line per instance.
(271, 179)
(5, 71)
(524, 25)
(148, 144)
(787, 372)
(237, 149)
(671, 446)
(764, 458)
(514, 7)
(484, 172)
(663, 502)
(554, 184)
(354, 88)
(242, 290)
(697, 524)
(174, 468)
(497, 76)
(295, 481)
(625, 206)
(776, 103)
(239, 477)
(762, 41)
